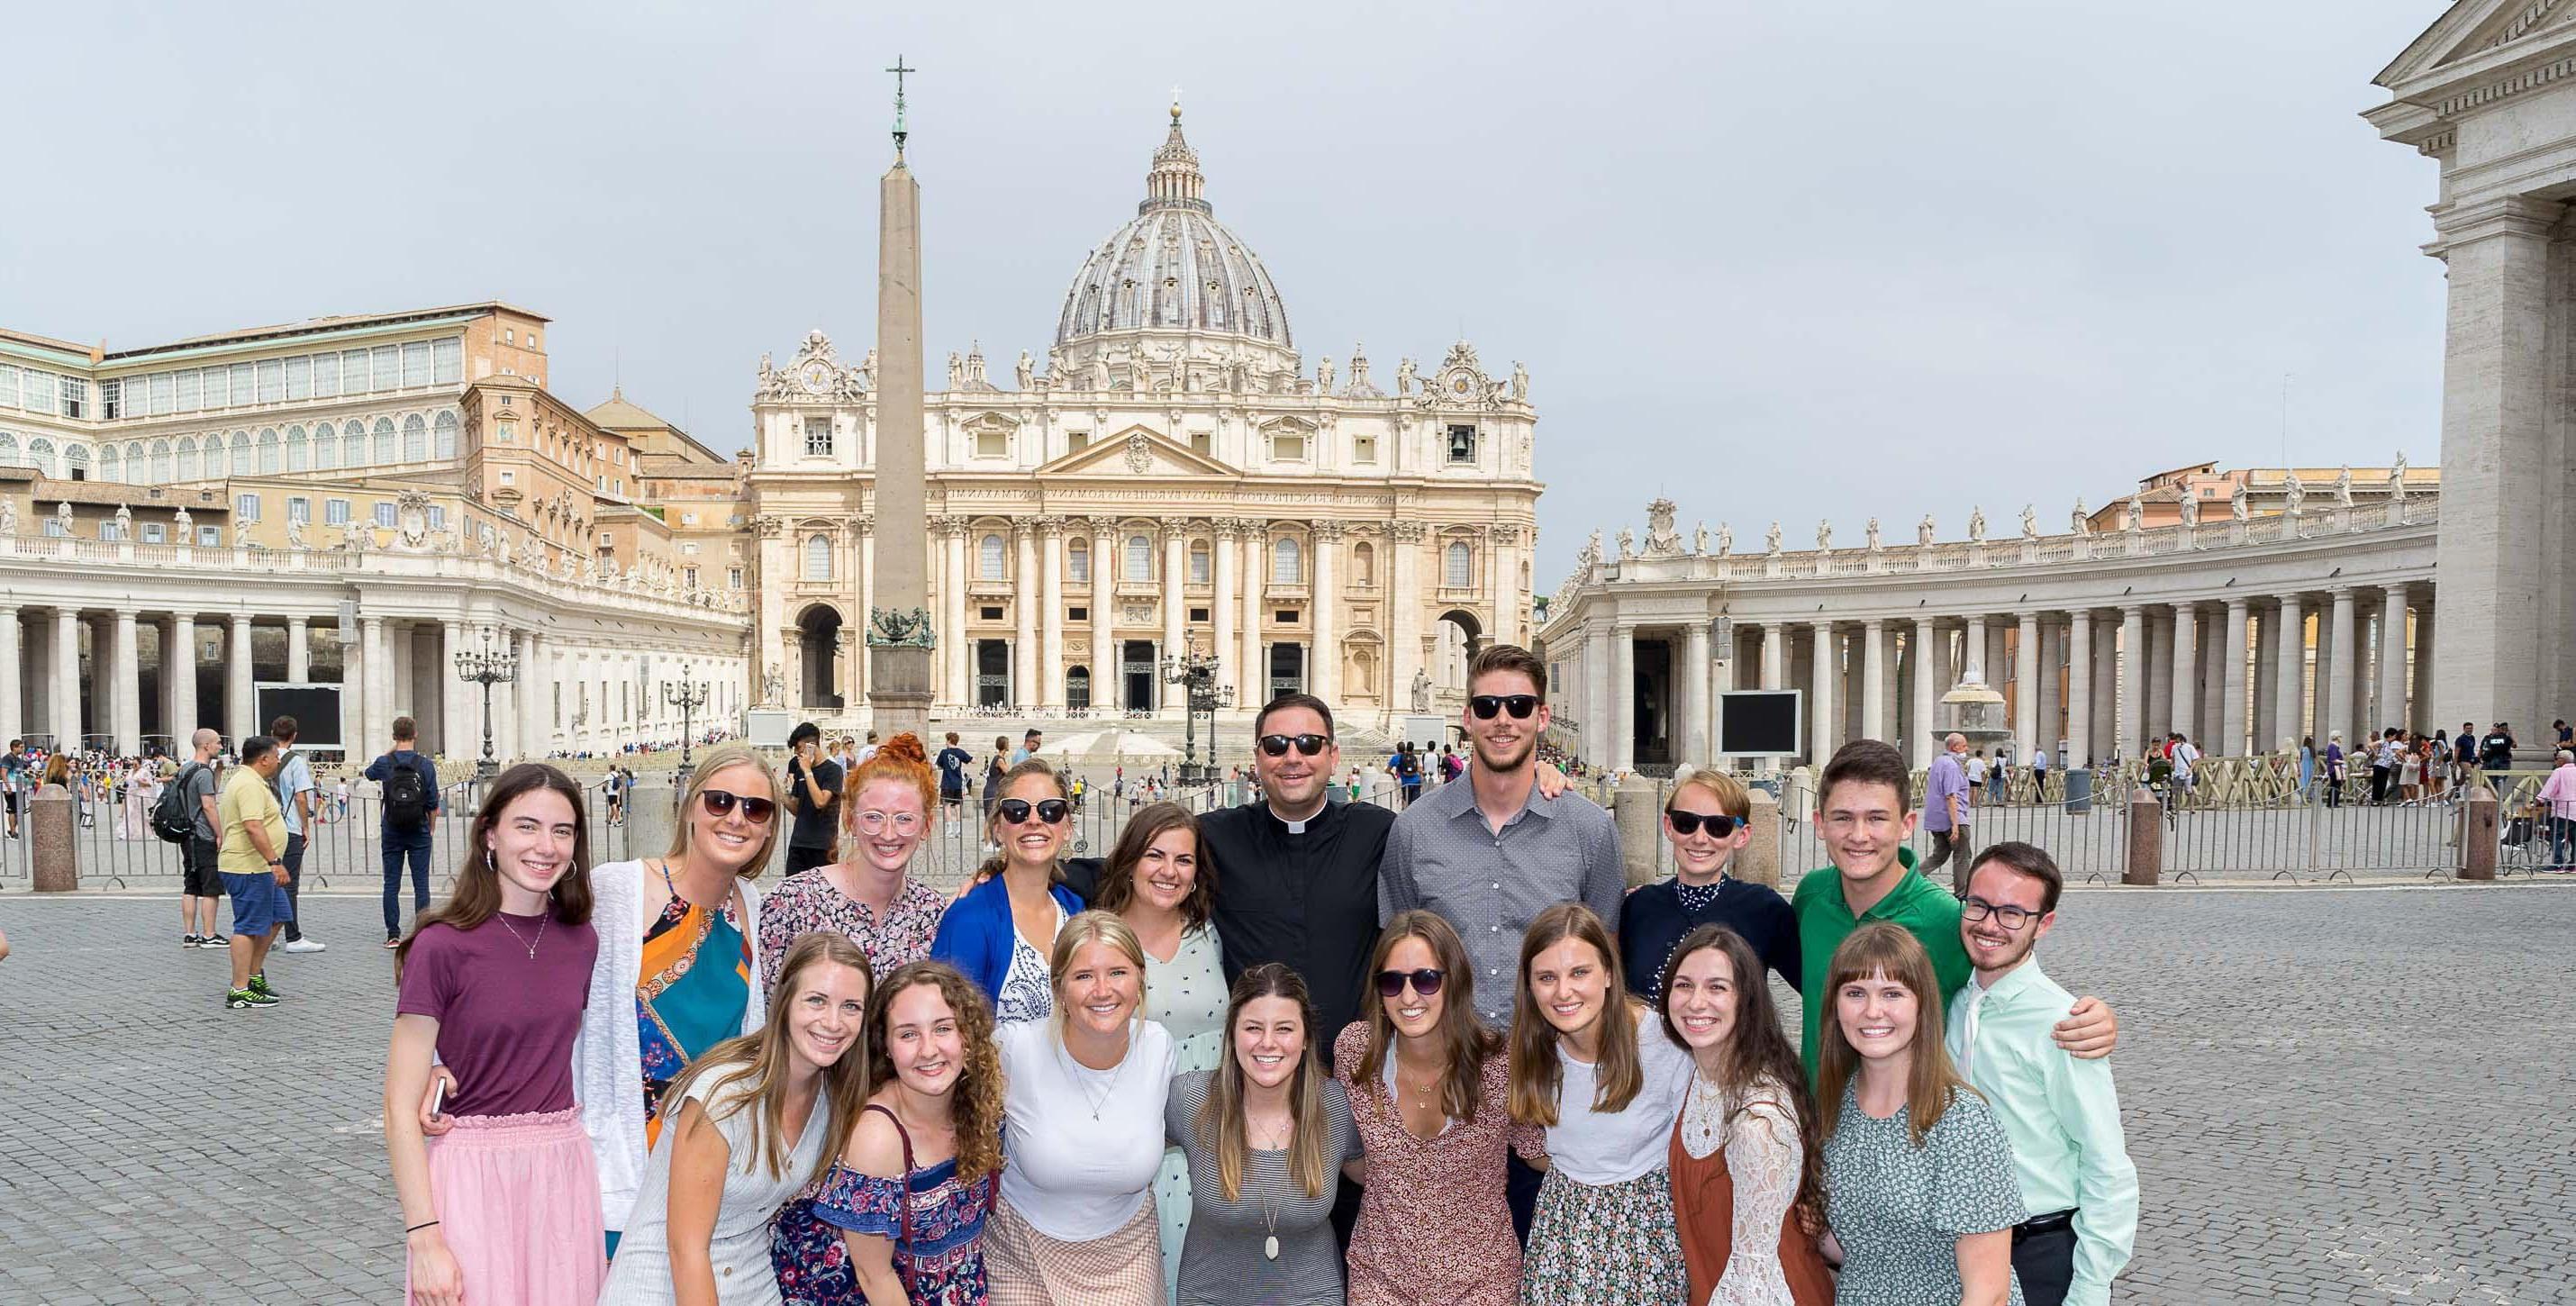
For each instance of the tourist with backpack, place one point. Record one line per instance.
(1407, 766)
(409, 812)
(185, 815)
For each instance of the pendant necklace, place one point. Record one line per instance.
(1269, 1205)
(524, 940)
(1108, 1091)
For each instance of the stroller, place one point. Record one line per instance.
(2524, 843)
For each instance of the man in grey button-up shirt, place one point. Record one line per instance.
(1490, 854)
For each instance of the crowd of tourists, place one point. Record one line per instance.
(1287, 1051)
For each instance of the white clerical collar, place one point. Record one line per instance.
(1295, 827)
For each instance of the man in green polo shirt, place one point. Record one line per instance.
(1863, 820)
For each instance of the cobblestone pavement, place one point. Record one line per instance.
(2334, 1095)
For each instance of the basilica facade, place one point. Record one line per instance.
(1172, 478)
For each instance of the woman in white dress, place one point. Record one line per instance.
(754, 1120)
(1159, 882)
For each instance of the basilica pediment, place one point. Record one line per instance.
(1133, 454)
(2476, 36)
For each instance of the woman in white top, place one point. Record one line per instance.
(1084, 1096)
(1603, 1231)
(752, 1124)
(1158, 884)
(1746, 1153)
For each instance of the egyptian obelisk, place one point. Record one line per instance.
(900, 639)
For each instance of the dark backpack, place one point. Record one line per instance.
(1408, 765)
(171, 818)
(406, 794)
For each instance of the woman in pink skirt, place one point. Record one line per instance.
(503, 1206)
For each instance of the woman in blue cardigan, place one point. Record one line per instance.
(1001, 933)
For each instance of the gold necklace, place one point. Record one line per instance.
(524, 940)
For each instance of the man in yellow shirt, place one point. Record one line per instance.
(251, 856)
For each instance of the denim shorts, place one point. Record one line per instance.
(259, 903)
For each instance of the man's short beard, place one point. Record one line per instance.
(1529, 750)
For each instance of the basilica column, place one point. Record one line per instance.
(1822, 702)
(1623, 698)
(1024, 613)
(1176, 546)
(1873, 684)
(2077, 744)
(1500, 569)
(1228, 542)
(2130, 731)
(960, 650)
(239, 711)
(2392, 660)
(11, 678)
(2230, 681)
(1253, 676)
(127, 703)
(1324, 660)
(2186, 674)
(179, 668)
(1104, 602)
(1918, 650)
(1694, 739)
(1404, 608)
(2339, 678)
(767, 646)
(1051, 614)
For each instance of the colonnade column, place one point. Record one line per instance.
(2078, 743)
(1822, 702)
(179, 669)
(1253, 676)
(1973, 658)
(1695, 698)
(10, 675)
(1623, 698)
(67, 686)
(127, 705)
(1051, 614)
(2423, 645)
(1918, 650)
(1599, 666)
(240, 713)
(375, 688)
(299, 650)
(1873, 685)
(536, 689)
(1104, 632)
(1228, 657)
(1324, 659)
(1773, 655)
(2026, 686)
(2131, 729)
(2339, 679)
(2186, 674)
(2392, 660)
(2231, 683)
(457, 705)
(2266, 731)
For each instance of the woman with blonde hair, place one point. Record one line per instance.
(1588, 1068)
(1075, 1225)
(868, 893)
(752, 1123)
(1429, 1087)
(1920, 1190)
(901, 1216)
(1000, 933)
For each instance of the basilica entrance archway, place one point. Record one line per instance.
(818, 639)
(1455, 640)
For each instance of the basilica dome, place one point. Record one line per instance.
(1174, 268)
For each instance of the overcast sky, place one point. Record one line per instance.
(1774, 261)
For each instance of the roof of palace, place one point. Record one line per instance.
(1174, 266)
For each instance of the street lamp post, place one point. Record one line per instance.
(688, 696)
(487, 668)
(1195, 672)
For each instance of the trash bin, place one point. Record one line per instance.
(2079, 791)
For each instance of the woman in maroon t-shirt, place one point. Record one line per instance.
(504, 1206)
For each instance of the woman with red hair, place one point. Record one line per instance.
(867, 893)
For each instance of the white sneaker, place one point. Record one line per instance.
(302, 945)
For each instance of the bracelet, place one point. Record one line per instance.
(417, 1228)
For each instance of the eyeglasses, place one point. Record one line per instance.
(1050, 810)
(1425, 982)
(2010, 917)
(876, 822)
(1486, 706)
(755, 810)
(1687, 824)
(1306, 745)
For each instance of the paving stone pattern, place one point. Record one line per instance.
(2333, 1095)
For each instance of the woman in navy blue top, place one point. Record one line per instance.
(1705, 820)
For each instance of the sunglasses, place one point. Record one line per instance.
(1050, 810)
(1687, 824)
(1489, 706)
(1425, 982)
(755, 810)
(1306, 745)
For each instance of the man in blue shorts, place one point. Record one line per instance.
(252, 860)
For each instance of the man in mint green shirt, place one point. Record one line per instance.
(1864, 822)
(2061, 1113)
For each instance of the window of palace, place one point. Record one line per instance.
(689, 577)
(335, 512)
(385, 515)
(384, 439)
(210, 537)
(1457, 566)
(272, 452)
(246, 507)
(733, 578)
(299, 510)
(818, 437)
(444, 436)
(153, 533)
(989, 558)
(1462, 444)
(299, 450)
(415, 439)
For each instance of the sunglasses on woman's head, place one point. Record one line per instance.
(1488, 706)
(755, 810)
(1050, 810)
(1425, 982)
(1306, 745)
(1687, 824)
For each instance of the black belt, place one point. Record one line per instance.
(2040, 1224)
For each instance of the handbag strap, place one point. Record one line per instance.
(902, 1198)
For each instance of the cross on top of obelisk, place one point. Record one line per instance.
(899, 133)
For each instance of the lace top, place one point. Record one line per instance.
(1028, 989)
(1763, 1160)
